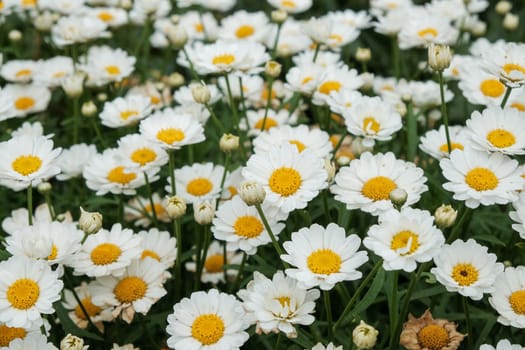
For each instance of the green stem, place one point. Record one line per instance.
(243, 100)
(412, 138)
(214, 119)
(278, 341)
(97, 132)
(30, 204)
(316, 53)
(274, 47)
(50, 207)
(233, 106)
(444, 109)
(192, 67)
(506, 97)
(238, 278)
(393, 306)
(339, 143)
(171, 165)
(225, 259)
(395, 58)
(469, 323)
(328, 307)
(151, 202)
(203, 255)
(268, 103)
(276, 245)
(458, 226)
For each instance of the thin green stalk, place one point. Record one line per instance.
(393, 306)
(458, 226)
(328, 307)
(506, 96)
(243, 101)
(171, 165)
(50, 207)
(395, 58)
(178, 262)
(151, 202)
(274, 47)
(237, 283)
(225, 259)
(233, 106)
(192, 67)
(412, 138)
(276, 245)
(268, 103)
(214, 119)
(203, 255)
(97, 132)
(444, 109)
(278, 341)
(470, 345)
(316, 53)
(30, 204)
(339, 143)
(144, 38)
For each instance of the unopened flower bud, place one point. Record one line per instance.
(102, 96)
(398, 197)
(44, 187)
(44, 21)
(174, 80)
(175, 19)
(479, 28)
(229, 143)
(363, 54)
(359, 148)
(252, 193)
(203, 212)
(439, 57)
(89, 222)
(279, 16)
(401, 108)
(126, 4)
(177, 36)
(73, 85)
(71, 342)
(176, 207)
(201, 93)
(89, 109)
(330, 169)
(273, 69)
(503, 7)
(445, 216)
(364, 336)
(343, 160)
(511, 21)
(61, 217)
(14, 36)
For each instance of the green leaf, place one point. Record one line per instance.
(69, 326)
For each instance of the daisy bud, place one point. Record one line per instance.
(61, 217)
(252, 193)
(330, 169)
(126, 4)
(358, 147)
(89, 109)
(176, 207)
(177, 36)
(503, 7)
(229, 143)
(279, 16)
(89, 222)
(102, 97)
(363, 54)
(71, 342)
(44, 187)
(364, 336)
(201, 94)
(439, 57)
(175, 19)
(479, 28)
(14, 36)
(398, 197)
(44, 21)
(203, 212)
(73, 85)
(343, 160)
(175, 80)
(272, 69)
(511, 21)
(445, 216)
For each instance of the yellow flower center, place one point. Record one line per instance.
(124, 115)
(433, 337)
(288, 3)
(517, 301)
(53, 254)
(130, 289)
(328, 86)
(23, 293)
(501, 138)
(378, 188)
(306, 80)
(112, 70)
(199, 28)
(214, 263)
(8, 334)
(405, 239)
(511, 67)
(105, 254)
(26, 165)
(118, 175)
(285, 181)
(207, 329)
(428, 32)
(224, 59)
(233, 191)
(154, 100)
(492, 88)
(146, 253)
(29, 3)
(59, 74)
(324, 261)
(91, 309)
(199, 186)
(336, 37)
(170, 135)
(465, 274)
(248, 226)
(284, 301)
(24, 102)
(244, 31)
(453, 145)
(371, 124)
(481, 179)
(143, 156)
(105, 16)
(270, 123)
(159, 209)
(23, 73)
(300, 146)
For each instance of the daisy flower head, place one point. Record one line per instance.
(274, 118)
(434, 142)
(26, 99)
(507, 62)
(160, 246)
(243, 25)
(292, 6)
(480, 87)
(112, 16)
(149, 9)
(508, 297)
(213, 269)
(27, 161)
(199, 25)
(290, 178)
(74, 29)
(32, 341)
(107, 252)
(72, 160)
(494, 130)
(28, 289)
(323, 256)
(19, 71)
(292, 39)
(304, 78)
(425, 94)
(278, 304)
(104, 65)
(404, 238)
(329, 346)
(140, 153)
(333, 80)
(247, 84)
(171, 130)
(480, 178)
(343, 99)
(159, 94)
(503, 344)
(207, 320)
(8, 334)
(467, 268)
(53, 71)
(367, 182)
(62, 6)
(516, 100)
(426, 29)
(518, 215)
(198, 182)
(125, 111)
(140, 210)
(241, 227)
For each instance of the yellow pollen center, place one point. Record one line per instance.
(8, 334)
(214, 263)
(428, 32)
(248, 226)
(113, 70)
(270, 123)
(130, 289)
(403, 239)
(105, 16)
(371, 125)
(233, 191)
(284, 301)
(29, 3)
(501, 138)
(300, 146)
(155, 100)
(119, 176)
(149, 254)
(378, 188)
(224, 59)
(511, 67)
(306, 80)
(519, 106)
(324, 261)
(124, 115)
(492, 88)
(285, 181)
(244, 31)
(517, 302)
(336, 37)
(26, 165)
(453, 145)
(59, 74)
(170, 135)
(159, 209)
(53, 254)
(465, 274)
(328, 86)
(433, 337)
(288, 3)
(207, 329)
(23, 294)
(481, 179)
(105, 254)
(199, 28)
(455, 72)
(91, 309)
(199, 186)
(143, 156)
(23, 73)
(24, 102)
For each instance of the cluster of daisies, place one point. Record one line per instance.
(260, 119)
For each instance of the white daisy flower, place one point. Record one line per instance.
(467, 268)
(404, 238)
(290, 178)
(143, 10)
(184, 96)
(252, 85)
(104, 65)
(426, 29)
(333, 80)
(392, 21)
(323, 256)
(507, 62)
(28, 289)
(160, 246)
(241, 227)
(198, 182)
(112, 16)
(19, 71)
(32, 341)
(425, 94)
(8, 334)
(480, 87)
(199, 25)
(62, 6)
(367, 182)
(52, 71)
(480, 178)
(494, 130)
(517, 99)
(278, 304)
(75, 29)
(518, 215)
(292, 6)
(304, 78)
(508, 297)
(329, 346)
(343, 99)
(139, 209)
(292, 39)
(31, 129)
(107, 252)
(207, 320)
(159, 95)
(72, 160)
(503, 344)
(274, 118)
(434, 142)
(217, 5)
(140, 153)
(124, 111)
(27, 161)
(26, 99)
(458, 66)
(243, 25)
